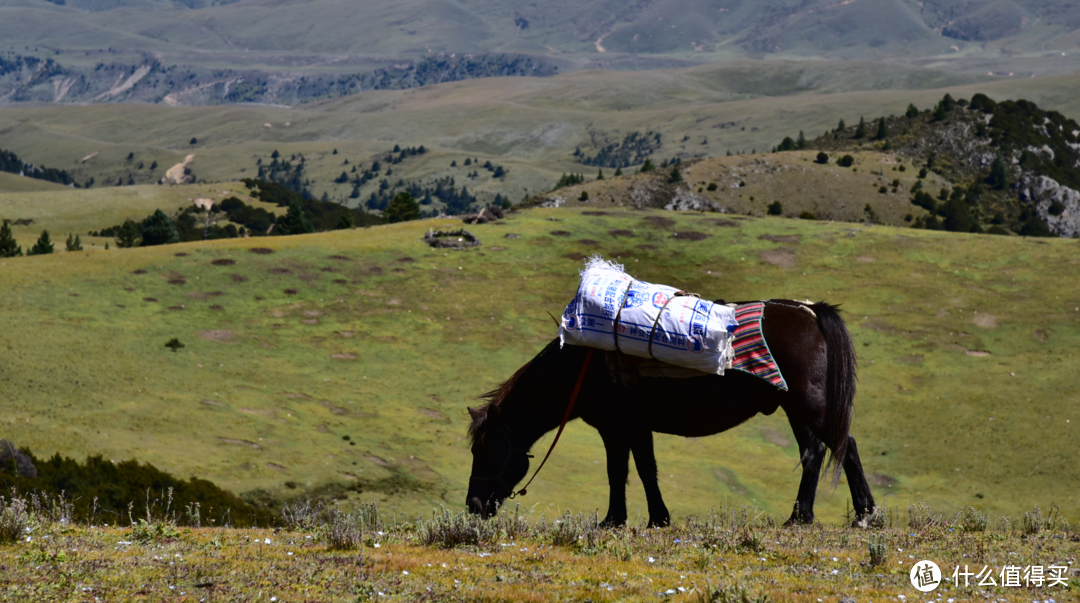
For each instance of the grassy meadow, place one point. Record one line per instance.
(731, 555)
(966, 397)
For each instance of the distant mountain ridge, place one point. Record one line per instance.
(75, 50)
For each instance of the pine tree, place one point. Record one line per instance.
(882, 130)
(8, 246)
(600, 174)
(618, 171)
(841, 125)
(402, 208)
(43, 246)
(345, 222)
(153, 166)
(860, 130)
(158, 229)
(800, 142)
(912, 110)
(647, 166)
(294, 221)
(128, 236)
(74, 244)
(999, 173)
(675, 176)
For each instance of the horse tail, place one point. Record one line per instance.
(840, 384)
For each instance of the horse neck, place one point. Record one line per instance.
(539, 399)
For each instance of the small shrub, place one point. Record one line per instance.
(807, 216)
(902, 168)
(344, 531)
(584, 196)
(711, 187)
(877, 547)
(846, 161)
(822, 157)
(447, 530)
(971, 520)
(775, 209)
(14, 519)
(919, 516)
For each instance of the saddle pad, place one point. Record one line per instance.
(752, 353)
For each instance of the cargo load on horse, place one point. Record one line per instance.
(613, 311)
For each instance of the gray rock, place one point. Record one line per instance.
(1042, 192)
(23, 464)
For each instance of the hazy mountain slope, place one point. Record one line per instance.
(286, 51)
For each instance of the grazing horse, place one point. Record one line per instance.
(812, 348)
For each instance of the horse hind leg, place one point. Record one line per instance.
(861, 498)
(812, 452)
(642, 446)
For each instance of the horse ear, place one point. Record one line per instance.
(475, 413)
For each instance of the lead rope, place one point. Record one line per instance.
(566, 417)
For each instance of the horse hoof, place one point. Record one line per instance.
(798, 521)
(609, 523)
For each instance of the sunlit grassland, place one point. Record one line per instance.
(62, 210)
(967, 394)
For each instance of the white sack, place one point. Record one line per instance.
(692, 332)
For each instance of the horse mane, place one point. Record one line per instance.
(495, 397)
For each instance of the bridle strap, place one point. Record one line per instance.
(566, 417)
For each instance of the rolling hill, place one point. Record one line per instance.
(293, 343)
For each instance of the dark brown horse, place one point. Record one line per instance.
(815, 355)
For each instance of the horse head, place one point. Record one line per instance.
(499, 463)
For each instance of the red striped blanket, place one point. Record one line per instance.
(752, 353)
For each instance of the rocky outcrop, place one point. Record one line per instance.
(1055, 203)
(9, 454)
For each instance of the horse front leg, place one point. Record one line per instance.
(812, 452)
(618, 468)
(861, 498)
(645, 460)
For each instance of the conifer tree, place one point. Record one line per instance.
(294, 221)
(600, 174)
(158, 229)
(841, 125)
(402, 208)
(675, 176)
(999, 173)
(882, 130)
(128, 236)
(912, 110)
(74, 244)
(8, 246)
(860, 130)
(618, 171)
(800, 142)
(345, 222)
(43, 246)
(647, 166)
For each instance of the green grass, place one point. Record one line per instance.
(389, 345)
(14, 183)
(727, 554)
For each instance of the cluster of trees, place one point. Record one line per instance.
(457, 201)
(959, 210)
(634, 148)
(10, 162)
(9, 248)
(286, 173)
(322, 215)
(111, 487)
